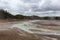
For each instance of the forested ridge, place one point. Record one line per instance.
(6, 15)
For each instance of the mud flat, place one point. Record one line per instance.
(31, 30)
(37, 28)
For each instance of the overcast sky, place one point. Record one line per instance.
(32, 7)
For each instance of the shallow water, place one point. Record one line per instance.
(27, 26)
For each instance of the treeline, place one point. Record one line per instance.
(43, 18)
(6, 15)
(50, 18)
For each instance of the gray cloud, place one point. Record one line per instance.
(31, 7)
(31, 1)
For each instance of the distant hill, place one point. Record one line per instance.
(6, 15)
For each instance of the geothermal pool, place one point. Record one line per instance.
(28, 26)
(33, 28)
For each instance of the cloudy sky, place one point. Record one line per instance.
(32, 7)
